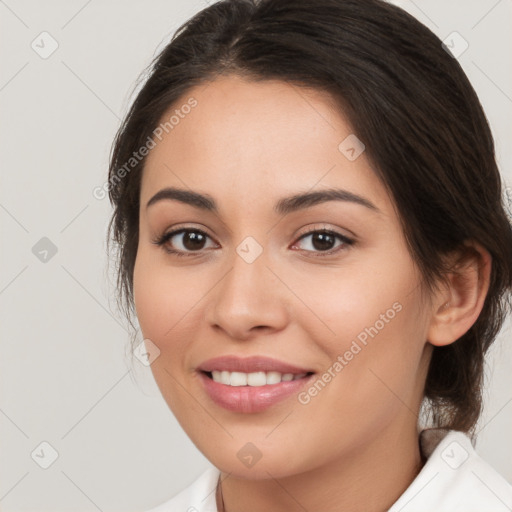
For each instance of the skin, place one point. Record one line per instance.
(354, 446)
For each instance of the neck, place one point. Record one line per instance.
(370, 480)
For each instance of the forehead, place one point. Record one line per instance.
(259, 139)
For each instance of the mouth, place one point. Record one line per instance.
(249, 385)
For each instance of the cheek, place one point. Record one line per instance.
(146, 295)
(157, 297)
(161, 310)
(166, 303)
(365, 300)
(372, 319)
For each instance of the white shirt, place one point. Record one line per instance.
(453, 479)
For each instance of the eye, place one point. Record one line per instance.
(188, 241)
(324, 242)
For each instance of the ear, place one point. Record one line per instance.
(457, 305)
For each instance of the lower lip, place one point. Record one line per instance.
(249, 399)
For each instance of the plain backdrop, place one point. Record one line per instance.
(66, 376)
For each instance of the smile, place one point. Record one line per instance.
(252, 384)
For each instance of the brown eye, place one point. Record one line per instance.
(325, 242)
(193, 240)
(183, 241)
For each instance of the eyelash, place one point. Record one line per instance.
(161, 240)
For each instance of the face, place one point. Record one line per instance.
(324, 287)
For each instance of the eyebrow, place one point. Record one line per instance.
(284, 206)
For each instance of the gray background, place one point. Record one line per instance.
(66, 375)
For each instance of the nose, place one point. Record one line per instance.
(250, 298)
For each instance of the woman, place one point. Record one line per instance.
(312, 235)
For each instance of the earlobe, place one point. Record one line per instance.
(458, 306)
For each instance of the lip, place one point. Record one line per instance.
(251, 364)
(250, 399)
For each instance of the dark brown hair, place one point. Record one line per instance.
(407, 99)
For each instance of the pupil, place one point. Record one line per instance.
(193, 240)
(324, 240)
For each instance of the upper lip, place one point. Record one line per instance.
(251, 364)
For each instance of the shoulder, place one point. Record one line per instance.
(199, 496)
(454, 478)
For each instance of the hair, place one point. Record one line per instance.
(407, 99)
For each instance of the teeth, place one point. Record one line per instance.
(238, 379)
(253, 379)
(256, 379)
(273, 377)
